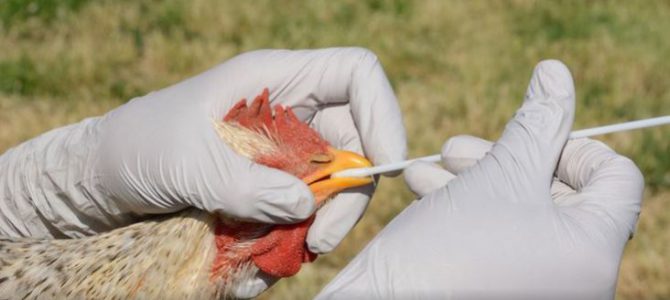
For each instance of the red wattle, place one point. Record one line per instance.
(282, 251)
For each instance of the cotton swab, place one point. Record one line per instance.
(365, 172)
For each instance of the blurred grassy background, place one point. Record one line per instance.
(458, 67)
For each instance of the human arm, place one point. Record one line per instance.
(159, 153)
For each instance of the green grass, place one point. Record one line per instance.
(458, 67)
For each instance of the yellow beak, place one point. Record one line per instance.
(323, 186)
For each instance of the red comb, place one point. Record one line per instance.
(256, 116)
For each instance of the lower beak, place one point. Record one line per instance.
(323, 186)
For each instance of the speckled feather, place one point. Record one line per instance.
(165, 258)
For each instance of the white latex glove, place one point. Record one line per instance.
(160, 153)
(496, 231)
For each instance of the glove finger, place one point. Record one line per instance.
(309, 80)
(336, 218)
(562, 193)
(463, 151)
(609, 186)
(272, 196)
(422, 178)
(530, 146)
(254, 286)
(258, 193)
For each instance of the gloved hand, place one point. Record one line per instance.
(500, 229)
(160, 153)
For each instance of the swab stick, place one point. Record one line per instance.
(364, 172)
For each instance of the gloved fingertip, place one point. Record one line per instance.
(253, 286)
(276, 197)
(551, 78)
(291, 202)
(463, 151)
(422, 178)
(336, 218)
(322, 245)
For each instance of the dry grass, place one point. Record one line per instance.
(457, 67)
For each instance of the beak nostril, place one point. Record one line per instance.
(320, 158)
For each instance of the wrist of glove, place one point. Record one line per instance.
(48, 188)
(530, 216)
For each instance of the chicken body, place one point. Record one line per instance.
(137, 261)
(190, 254)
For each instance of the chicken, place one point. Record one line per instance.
(190, 254)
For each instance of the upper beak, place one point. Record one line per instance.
(323, 186)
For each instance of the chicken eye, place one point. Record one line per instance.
(320, 158)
